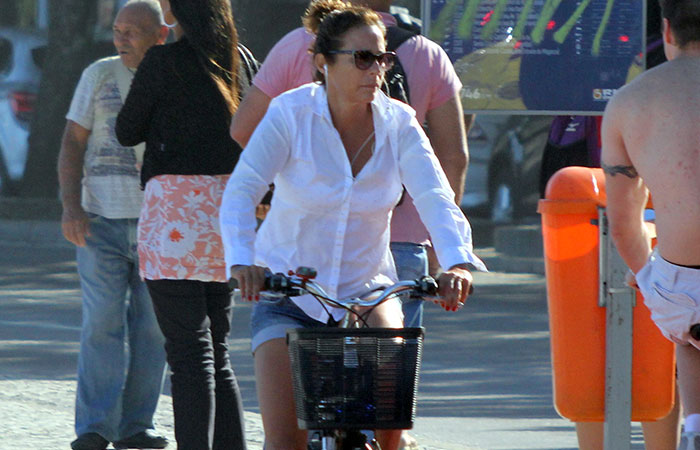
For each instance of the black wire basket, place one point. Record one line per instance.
(355, 378)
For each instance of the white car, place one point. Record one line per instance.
(21, 53)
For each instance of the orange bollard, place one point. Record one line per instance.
(577, 324)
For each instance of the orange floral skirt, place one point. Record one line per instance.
(178, 233)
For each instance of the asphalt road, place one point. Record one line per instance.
(485, 379)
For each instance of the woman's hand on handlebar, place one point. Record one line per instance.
(251, 280)
(454, 286)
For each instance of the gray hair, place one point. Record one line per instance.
(151, 7)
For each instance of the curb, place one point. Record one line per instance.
(500, 262)
(33, 232)
(519, 240)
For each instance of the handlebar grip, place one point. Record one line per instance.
(233, 283)
(273, 282)
(277, 282)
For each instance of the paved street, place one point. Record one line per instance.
(485, 380)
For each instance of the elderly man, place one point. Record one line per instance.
(118, 384)
(651, 146)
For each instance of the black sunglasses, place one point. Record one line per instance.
(364, 59)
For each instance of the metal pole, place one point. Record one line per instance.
(619, 301)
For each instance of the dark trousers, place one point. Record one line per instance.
(195, 318)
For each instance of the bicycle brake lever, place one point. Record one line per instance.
(273, 282)
(427, 285)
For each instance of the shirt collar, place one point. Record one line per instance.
(381, 105)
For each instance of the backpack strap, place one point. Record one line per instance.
(396, 84)
(395, 36)
(395, 80)
(249, 64)
(405, 20)
(250, 67)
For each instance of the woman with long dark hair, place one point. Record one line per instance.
(181, 102)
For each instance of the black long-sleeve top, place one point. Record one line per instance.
(178, 111)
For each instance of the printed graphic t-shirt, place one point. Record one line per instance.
(111, 185)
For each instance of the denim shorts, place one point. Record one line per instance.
(273, 316)
(411, 262)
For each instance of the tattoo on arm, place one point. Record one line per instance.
(628, 171)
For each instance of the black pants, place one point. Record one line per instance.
(195, 318)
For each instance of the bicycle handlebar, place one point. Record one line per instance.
(301, 281)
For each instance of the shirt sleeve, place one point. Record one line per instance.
(426, 182)
(82, 107)
(134, 119)
(287, 65)
(263, 158)
(431, 77)
(445, 82)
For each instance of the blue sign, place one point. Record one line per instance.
(540, 56)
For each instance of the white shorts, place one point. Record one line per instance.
(672, 293)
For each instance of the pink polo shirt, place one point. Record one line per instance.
(431, 79)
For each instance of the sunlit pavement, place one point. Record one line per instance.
(485, 379)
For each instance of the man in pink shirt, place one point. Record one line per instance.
(434, 94)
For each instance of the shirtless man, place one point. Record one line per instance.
(651, 145)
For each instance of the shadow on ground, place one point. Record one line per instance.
(490, 359)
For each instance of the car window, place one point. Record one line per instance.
(5, 55)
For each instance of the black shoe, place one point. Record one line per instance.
(89, 441)
(144, 439)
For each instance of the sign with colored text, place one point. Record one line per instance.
(539, 56)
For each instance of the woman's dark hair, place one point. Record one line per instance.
(684, 18)
(209, 28)
(329, 20)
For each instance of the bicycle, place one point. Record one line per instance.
(352, 378)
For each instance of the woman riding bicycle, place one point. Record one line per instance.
(339, 153)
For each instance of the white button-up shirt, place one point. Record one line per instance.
(323, 217)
